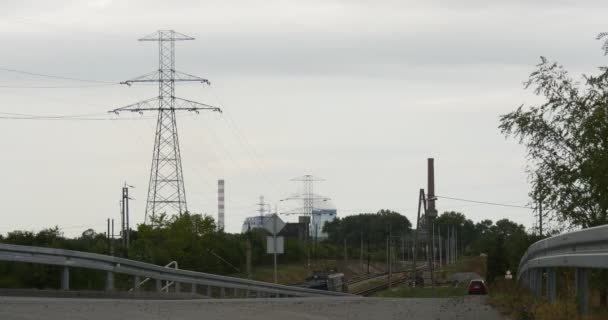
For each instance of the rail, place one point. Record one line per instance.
(243, 288)
(583, 249)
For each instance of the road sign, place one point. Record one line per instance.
(270, 245)
(273, 224)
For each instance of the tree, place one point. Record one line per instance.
(464, 227)
(566, 141)
(373, 227)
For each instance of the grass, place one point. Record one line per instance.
(426, 292)
(368, 284)
(519, 303)
(293, 273)
(475, 264)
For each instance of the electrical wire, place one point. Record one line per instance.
(485, 202)
(57, 87)
(55, 77)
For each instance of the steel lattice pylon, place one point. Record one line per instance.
(166, 191)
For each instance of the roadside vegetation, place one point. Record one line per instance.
(423, 292)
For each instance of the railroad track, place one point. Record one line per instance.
(384, 286)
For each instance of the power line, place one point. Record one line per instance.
(485, 202)
(57, 87)
(55, 76)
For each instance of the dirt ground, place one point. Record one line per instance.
(19, 308)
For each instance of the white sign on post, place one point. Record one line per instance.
(270, 245)
(273, 224)
(274, 244)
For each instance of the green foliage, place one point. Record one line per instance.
(423, 292)
(504, 242)
(465, 228)
(566, 139)
(372, 228)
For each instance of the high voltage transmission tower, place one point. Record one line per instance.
(307, 196)
(166, 188)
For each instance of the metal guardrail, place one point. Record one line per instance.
(583, 249)
(68, 258)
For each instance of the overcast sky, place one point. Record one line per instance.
(357, 92)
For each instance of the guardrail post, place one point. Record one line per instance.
(538, 283)
(258, 294)
(222, 292)
(551, 285)
(65, 278)
(209, 291)
(193, 288)
(109, 281)
(531, 280)
(582, 290)
(236, 292)
(136, 281)
(178, 287)
(159, 285)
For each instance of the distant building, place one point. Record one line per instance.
(323, 211)
(250, 223)
(295, 230)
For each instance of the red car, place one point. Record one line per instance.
(477, 287)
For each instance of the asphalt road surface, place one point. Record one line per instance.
(22, 308)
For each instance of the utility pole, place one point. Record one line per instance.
(274, 239)
(112, 239)
(440, 251)
(389, 256)
(248, 252)
(108, 235)
(345, 253)
(403, 248)
(540, 218)
(455, 244)
(450, 247)
(361, 252)
(431, 213)
(166, 190)
(368, 255)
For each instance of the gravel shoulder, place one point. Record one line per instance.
(470, 307)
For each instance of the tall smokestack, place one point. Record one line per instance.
(220, 204)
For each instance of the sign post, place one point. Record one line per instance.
(274, 245)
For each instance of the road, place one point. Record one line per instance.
(20, 308)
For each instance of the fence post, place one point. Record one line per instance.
(65, 278)
(551, 285)
(109, 281)
(582, 290)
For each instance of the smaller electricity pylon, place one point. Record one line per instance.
(308, 198)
